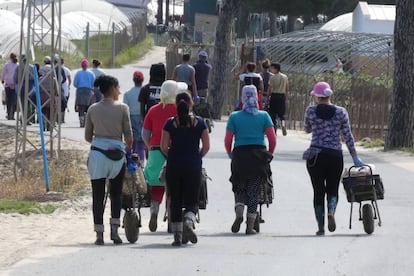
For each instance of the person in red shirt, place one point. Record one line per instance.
(151, 134)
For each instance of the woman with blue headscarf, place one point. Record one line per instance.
(250, 160)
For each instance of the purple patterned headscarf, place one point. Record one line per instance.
(249, 99)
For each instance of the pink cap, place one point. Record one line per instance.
(84, 63)
(138, 75)
(322, 90)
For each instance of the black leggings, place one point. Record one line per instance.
(183, 187)
(115, 193)
(277, 107)
(325, 172)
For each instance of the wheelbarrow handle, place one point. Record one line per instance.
(364, 165)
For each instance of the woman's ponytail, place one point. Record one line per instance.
(183, 102)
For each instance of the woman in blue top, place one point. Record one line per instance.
(84, 83)
(131, 99)
(327, 122)
(250, 161)
(180, 144)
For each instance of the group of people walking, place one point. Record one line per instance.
(86, 92)
(272, 87)
(13, 78)
(156, 122)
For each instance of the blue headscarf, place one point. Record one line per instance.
(249, 99)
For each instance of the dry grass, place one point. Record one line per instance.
(67, 174)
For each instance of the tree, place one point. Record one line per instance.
(401, 121)
(222, 49)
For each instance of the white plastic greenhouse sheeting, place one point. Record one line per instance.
(131, 3)
(75, 16)
(342, 23)
(11, 5)
(100, 15)
(9, 38)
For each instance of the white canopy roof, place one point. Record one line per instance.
(342, 23)
(9, 38)
(76, 14)
(365, 18)
(100, 15)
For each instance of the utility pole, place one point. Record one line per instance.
(159, 12)
(167, 12)
(40, 28)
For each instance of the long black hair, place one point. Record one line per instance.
(105, 83)
(183, 101)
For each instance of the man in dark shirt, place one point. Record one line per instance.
(202, 71)
(150, 93)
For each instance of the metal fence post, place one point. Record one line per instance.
(113, 44)
(87, 41)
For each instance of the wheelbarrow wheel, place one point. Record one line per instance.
(131, 223)
(368, 218)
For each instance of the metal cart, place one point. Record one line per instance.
(361, 185)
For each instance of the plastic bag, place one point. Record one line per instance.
(134, 176)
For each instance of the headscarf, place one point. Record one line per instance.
(168, 92)
(249, 99)
(181, 86)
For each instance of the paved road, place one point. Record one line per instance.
(286, 245)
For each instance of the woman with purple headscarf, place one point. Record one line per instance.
(250, 160)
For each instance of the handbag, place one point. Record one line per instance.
(113, 154)
(310, 153)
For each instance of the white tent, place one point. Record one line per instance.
(373, 18)
(365, 18)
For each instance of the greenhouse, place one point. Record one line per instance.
(359, 66)
(313, 52)
(76, 15)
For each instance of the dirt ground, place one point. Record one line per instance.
(22, 235)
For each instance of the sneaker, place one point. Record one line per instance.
(188, 233)
(331, 222)
(284, 132)
(153, 223)
(235, 228)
